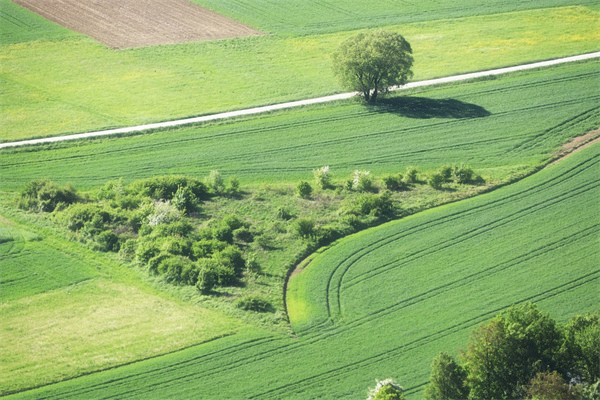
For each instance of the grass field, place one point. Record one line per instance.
(378, 284)
(486, 124)
(299, 17)
(68, 311)
(56, 82)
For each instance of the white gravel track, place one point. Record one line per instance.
(258, 110)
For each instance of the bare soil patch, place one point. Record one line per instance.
(576, 144)
(134, 23)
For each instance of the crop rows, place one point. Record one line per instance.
(332, 359)
(287, 146)
(318, 16)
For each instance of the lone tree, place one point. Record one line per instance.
(373, 62)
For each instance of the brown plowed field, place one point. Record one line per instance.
(133, 23)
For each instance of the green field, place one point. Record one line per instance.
(368, 308)
(57, 82)
(301, 17)
(68, 311)
(77, 323)
(486, 124)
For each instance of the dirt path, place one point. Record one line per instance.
(576, 144)
(259, 110)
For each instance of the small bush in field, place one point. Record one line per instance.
(446, 172)
(304, 189)
(164, 213)
(207, 275)
(215, 182)
(254, 303)
(436, 180)
(184, 200)
(462, 174)
(233, 187)
(387, 389)
(252, 265)
(412, 175)
(323, 177)
(304, 227)
(107, 241)
(45, 195)
(362, 181)
(393, 182)
(243, 234)
(284, 213)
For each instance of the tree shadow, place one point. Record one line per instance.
(424, 108)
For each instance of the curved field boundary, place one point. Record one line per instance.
(542, 195)
(274, 107)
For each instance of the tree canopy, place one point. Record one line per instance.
(373, 62)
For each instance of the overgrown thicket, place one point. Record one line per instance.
(162, 223)
(522, 353)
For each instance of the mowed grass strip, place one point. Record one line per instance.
(421, 309)
(54, 86)
(486, 124)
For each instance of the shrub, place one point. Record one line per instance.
(386, 389)
(462, 174)
(436, 180)
(207, 275)
(362, 181)
(112, 190)
(412, 175)
(184, 199)
(155, 261)
(215, 182)
(446, 172)
(304, 189)
(254, 303)
(233, 187)
(107, 241)
(230, 257)
(368, 203)
(284, 213)
(393, 182)
(252, 265)
(164, 213)
(322, 177)
(146, 249)
(304, 227)
(243, 234)
(45, 195)
(165, 187)
(206, 247)
(172, 268)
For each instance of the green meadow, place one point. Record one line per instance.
(383, 302)
(56, 82)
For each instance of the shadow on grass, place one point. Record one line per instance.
(424, 108)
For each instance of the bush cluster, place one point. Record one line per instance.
(45, 195)
(147, 221)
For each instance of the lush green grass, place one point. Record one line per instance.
(302, 17)
(382, 303)
(486, 124)
(22, 255)
(67, 310)
(55, 85)
(20, 25)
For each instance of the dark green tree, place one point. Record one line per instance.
(505, 354)
(373, 62)
(447, 380)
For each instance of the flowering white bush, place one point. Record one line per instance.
(362, 181)
(386, 389)
(323, 177)
(164, 213)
